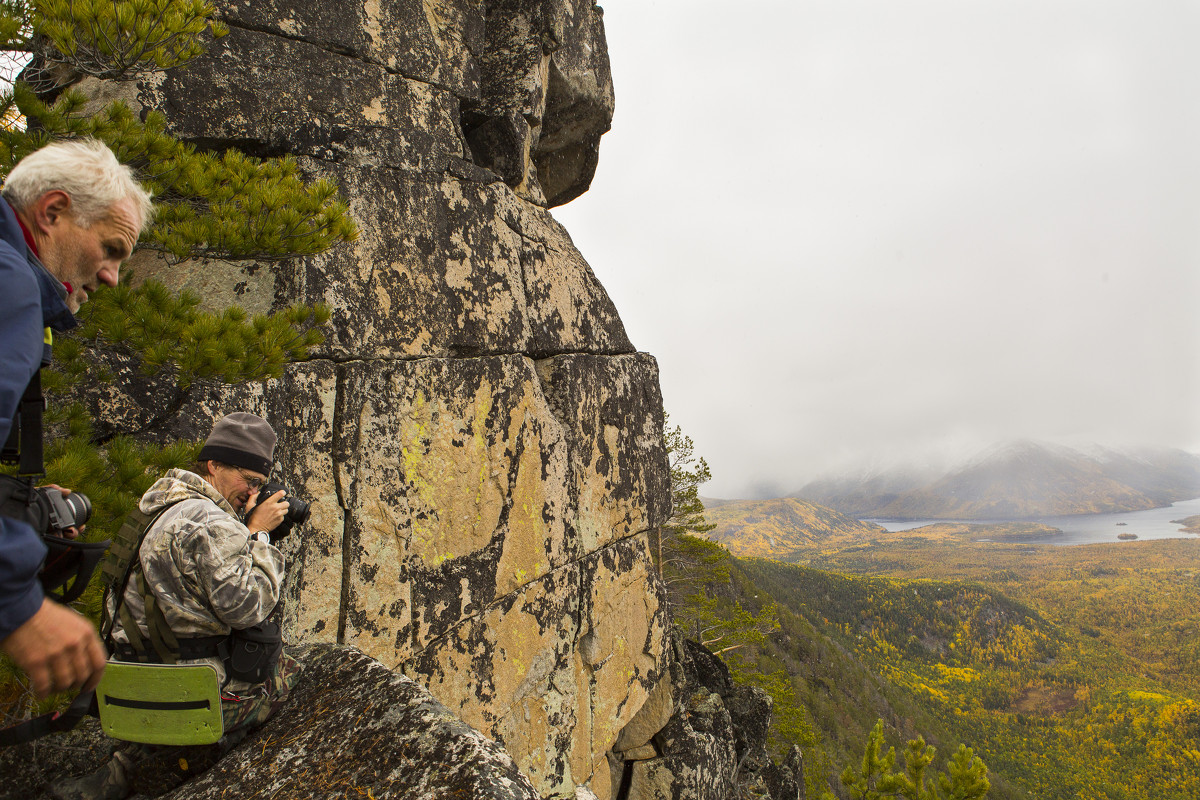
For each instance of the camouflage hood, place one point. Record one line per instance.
(179, 484)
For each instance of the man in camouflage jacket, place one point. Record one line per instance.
(209, 574)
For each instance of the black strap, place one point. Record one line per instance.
(189, 648)
(69, 561)
(16, 494)
(24, 444)
(58, 722)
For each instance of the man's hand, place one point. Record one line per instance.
(58, 649)
(267, 515)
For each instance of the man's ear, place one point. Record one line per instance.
(50, 209)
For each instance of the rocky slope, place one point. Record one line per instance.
(353, 728)
(350, 728)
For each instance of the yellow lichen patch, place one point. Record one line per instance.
(582, 755)
(453, 482)
(602, 519)
(532, 544)
(600, 781)
(458, 270)
(374, 580)
(629, 642)
(525, 687)
(312, 614)
(374, 111)
(440, 18)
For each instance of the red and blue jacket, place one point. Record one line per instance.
(32, 306)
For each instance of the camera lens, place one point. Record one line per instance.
(81, 507)
(297, 511)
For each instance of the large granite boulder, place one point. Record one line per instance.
(479, 439)
(350, 728)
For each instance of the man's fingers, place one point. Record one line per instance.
(95, 661)
(62, 673)
(39, 678)
(58, 649)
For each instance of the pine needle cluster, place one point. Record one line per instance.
(165, 331)
(224, 205)
(876, 777)
(107, 39)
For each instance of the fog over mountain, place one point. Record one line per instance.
(867, 230)
(1017, 480)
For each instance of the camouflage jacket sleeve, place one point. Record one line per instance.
(208, 574)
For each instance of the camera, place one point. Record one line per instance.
(54, 512)
(69, 563)
(297, 513)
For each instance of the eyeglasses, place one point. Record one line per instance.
(251, 482)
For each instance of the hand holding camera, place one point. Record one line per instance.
(60, 512)
(276, 513)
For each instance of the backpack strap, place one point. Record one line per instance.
(117, 569)
(118, 565)
(161, 635)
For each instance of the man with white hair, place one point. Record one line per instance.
(72, 214)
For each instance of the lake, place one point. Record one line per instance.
(1154, 523)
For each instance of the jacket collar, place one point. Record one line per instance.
(55, 313)
(181, 484)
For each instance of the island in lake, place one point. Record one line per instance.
(1190, 524)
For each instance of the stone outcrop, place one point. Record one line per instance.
(350, 728)
(479, 439)
(702, 737)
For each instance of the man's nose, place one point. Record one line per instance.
(109, 276)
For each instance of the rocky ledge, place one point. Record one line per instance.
(352, 728)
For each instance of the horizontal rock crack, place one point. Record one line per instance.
(329, 47)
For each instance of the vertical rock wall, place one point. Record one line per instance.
(481, 442)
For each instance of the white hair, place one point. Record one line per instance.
(87, 171)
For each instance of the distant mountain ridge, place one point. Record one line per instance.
(1020, 480)
(775, 528)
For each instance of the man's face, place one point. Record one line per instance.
(84, 258)
(236, 484)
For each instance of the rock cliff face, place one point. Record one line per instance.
(479, 438)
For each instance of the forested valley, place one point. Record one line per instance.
(1071, 672)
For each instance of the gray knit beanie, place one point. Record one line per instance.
(241, 440)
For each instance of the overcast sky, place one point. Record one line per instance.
(855, 230)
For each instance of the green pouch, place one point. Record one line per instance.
(160, 703)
